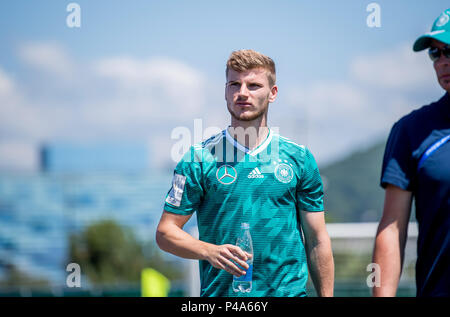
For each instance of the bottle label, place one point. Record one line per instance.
(248, 275)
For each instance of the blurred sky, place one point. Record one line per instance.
(135, 70)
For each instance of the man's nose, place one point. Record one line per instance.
(243, 91)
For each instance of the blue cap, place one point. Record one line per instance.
(440, 31)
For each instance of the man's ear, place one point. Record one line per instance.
(273, 93)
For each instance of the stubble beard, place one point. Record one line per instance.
(248, 117)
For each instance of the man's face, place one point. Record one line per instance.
(442, 67)
(248, 94)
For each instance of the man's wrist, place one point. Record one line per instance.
(203, 250)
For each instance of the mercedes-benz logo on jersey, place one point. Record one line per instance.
(226, 174)
(284, 173)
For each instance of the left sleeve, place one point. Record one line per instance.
(310, 188)
(399, 167)
(186, 193)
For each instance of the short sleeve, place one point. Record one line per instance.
(398, 164)
(310, 188)
(186, 193)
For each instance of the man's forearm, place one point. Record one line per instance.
(321, 265)
(175, 240)
(388, 255)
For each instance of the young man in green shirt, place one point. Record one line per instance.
(249, 173)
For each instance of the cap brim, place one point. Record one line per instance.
(424, 41)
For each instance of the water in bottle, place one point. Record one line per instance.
(244, 241)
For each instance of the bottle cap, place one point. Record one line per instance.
(245, 225)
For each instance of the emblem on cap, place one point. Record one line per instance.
(443, 19)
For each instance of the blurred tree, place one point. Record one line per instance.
(352, 192)
(14, 278)
(110, 254)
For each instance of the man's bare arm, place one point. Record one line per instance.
(171, 238)
(318, 252)
(391, 238)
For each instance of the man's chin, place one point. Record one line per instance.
(246, 117)
(445, 84)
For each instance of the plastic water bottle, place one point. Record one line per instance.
(244, 241)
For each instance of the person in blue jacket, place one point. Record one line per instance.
(416, 165)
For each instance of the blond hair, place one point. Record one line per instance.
(244, 60)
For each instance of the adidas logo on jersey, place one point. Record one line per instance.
(256, 173)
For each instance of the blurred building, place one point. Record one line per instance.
(83, 158)
(77, 185)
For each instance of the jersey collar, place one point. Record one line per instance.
(245, 149)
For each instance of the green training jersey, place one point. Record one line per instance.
(227, 184)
